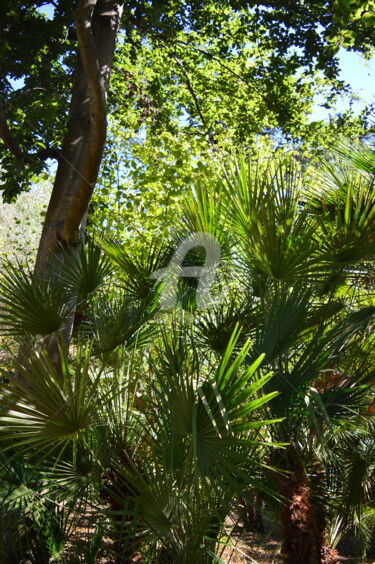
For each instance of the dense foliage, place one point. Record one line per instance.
(138, 421)
(188, 75)
(154, 423)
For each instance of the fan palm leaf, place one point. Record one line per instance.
(32, 304)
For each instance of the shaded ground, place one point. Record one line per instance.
(243, 546)
(252, 548)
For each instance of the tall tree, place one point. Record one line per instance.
(70, 57)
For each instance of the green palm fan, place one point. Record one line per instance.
(204, 212)
(135, 269)
(50, 408)
(342, 194)
(84, 270)
(32, 303)
(264, 201)
(204, 445)
(116, 321)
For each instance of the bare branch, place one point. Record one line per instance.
(221, 64)
(190, 88)
(193, 94)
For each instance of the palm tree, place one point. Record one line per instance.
(133, 421)
(161, 420)
(302, 250)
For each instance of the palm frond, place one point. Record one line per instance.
(50, 408)
(120, 321)
(275, 232)
(31, 303)
(135, 270)
(84, 270)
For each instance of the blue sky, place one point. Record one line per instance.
(360, 74)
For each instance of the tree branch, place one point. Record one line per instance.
(216, 59)
(193, 94)
(97, 57)
(220, 63)
(47, 153)
(12, 144)
(6, 135)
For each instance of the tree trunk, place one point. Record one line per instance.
(302, 541)
(303, 530)
(96, 23)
